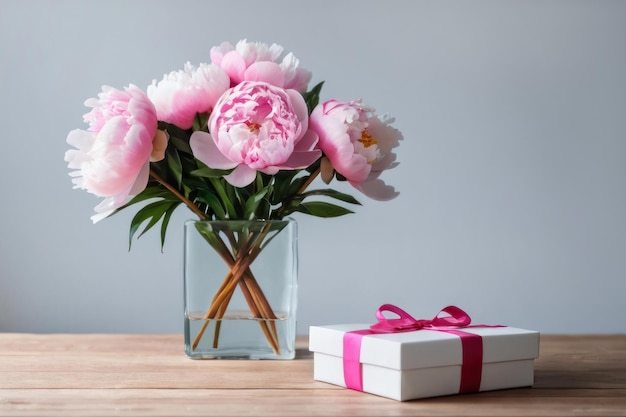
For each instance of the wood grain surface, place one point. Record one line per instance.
(149, 375)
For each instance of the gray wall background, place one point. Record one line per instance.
(512, 175)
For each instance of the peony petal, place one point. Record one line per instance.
(307, 142)
(255, 123)
(141, 182)
(80, 139)
(356, 170)
(234, 65)
(218, 52)
(300, 108)
(102, 215)
(110, 204)
(241, 176)
(112, 158)
(295, 77)
(180, 95)
(387, 138)
(299, 160)
(376, 190)
(205, 150)
(264, 71)
(107, 207)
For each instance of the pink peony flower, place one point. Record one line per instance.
(181, 94)
(358, 144)
(111, 158)
(256, 61)
(256, 126)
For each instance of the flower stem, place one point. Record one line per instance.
(309, 180)
(255, 305)
(238, 268)
(177, 193)
(240, 273)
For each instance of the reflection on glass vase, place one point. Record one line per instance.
(240, 289)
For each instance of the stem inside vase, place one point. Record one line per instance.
(239, 244)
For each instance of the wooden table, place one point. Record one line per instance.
(142, 375)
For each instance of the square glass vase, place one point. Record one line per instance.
(240, 289)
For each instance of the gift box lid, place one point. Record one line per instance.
(426, 348)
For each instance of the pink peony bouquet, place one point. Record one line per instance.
(242, 137)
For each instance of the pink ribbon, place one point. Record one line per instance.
(471, 344)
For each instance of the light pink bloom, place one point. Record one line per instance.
(358, 144)
(181, 94)
(256, 126)
(111, 158)
(256, 61)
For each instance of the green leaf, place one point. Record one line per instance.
(191, 184)
(200, 122)
(252, 204)
(280, 188)
(224, 196)
(263, 210)
(213, 202)
(180, 144)
(321, 209)
(347, 198)
(207, 172)
(188, 161)
(174, 130)
(312, 97)
(296, 185)
(175, 165)
(160, 168)
(166, 221)
(151, 212)
(154, 191)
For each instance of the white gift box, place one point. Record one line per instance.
(425, 363)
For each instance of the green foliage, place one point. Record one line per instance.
(347, 198)
(152, 213)
(182, 179)
(312, 97)
(321, 209)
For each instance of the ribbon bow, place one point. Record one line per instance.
(471, 344)
(406, 323)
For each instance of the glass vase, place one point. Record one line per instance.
(240, 289)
